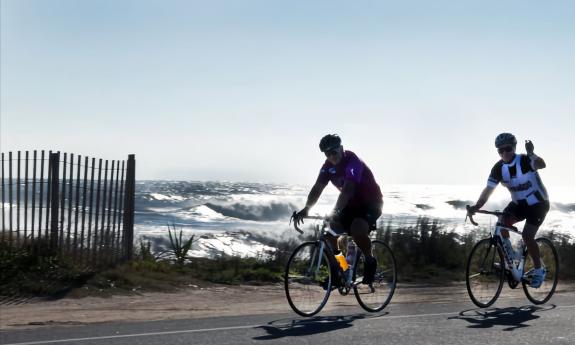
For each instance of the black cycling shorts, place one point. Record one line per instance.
(534, 214)
(369, 212)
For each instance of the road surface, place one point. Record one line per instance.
(509, 321)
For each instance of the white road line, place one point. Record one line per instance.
(135, 335)
(225, 329)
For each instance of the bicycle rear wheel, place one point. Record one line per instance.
(485, 273)
(374, 297)
(307, 279)
(550, 261)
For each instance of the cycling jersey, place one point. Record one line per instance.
(521, 179)
(351, 168)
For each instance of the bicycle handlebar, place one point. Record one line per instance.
(471, 213)
(306, 217)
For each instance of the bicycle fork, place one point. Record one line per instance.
(315, 262)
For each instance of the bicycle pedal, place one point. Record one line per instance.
(526, 278)
(497, 266)
(512, 282)
(343, 290)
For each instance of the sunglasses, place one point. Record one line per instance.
(505, 149)
(331, 152)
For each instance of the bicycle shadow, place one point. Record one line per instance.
(512, 317)
(314, 325)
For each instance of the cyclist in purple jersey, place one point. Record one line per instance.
(359, 204)
(351, 168)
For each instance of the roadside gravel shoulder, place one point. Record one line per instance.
(200, 302)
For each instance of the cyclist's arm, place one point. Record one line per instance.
(346, 194)
(314, 194)
(537, 162)
(485, 194)
(492, 182)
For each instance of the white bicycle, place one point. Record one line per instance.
(489, 264)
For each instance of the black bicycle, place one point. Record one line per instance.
(489, 265)
(309, 277)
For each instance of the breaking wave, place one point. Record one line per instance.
(459, 204)
(563, 207)
(423, 206)
(271, 211)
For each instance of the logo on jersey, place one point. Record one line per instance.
(332, 170)
(521, 187)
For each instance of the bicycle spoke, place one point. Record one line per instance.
(307, 279)
(374, 297)
(484, 276)
(550, 262)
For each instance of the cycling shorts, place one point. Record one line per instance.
(370, 213)
(534, 214)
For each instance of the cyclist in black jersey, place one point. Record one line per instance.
(530, 202)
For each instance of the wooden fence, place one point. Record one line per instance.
(79, 206)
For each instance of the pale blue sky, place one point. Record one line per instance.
(244, 90)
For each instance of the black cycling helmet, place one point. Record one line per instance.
(505, 139)
(329, 142)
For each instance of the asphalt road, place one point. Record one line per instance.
(509, 321)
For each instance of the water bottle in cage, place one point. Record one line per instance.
(342, 262)
(351, 252)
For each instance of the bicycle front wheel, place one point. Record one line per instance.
(307, 279)
(550, 261)
(374, 297)
(485, 273)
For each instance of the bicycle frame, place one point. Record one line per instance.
(321, 269)
(497, 240)
(315, 266)
(515, 270)
(492, 256)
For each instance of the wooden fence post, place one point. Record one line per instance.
(54, 196)
(129, 207)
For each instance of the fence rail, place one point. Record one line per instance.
(78, 206)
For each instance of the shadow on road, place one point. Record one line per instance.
(511, 318)
(316, 325)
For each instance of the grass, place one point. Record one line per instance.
(429, 251)
(234, 270)
(179, 247)
(33, 269)
(425, 252)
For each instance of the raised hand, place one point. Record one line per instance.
(529, 147)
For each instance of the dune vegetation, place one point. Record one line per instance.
(427, 251)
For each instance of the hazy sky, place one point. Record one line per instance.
(244, 90)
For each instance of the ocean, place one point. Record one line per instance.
(238, 218)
